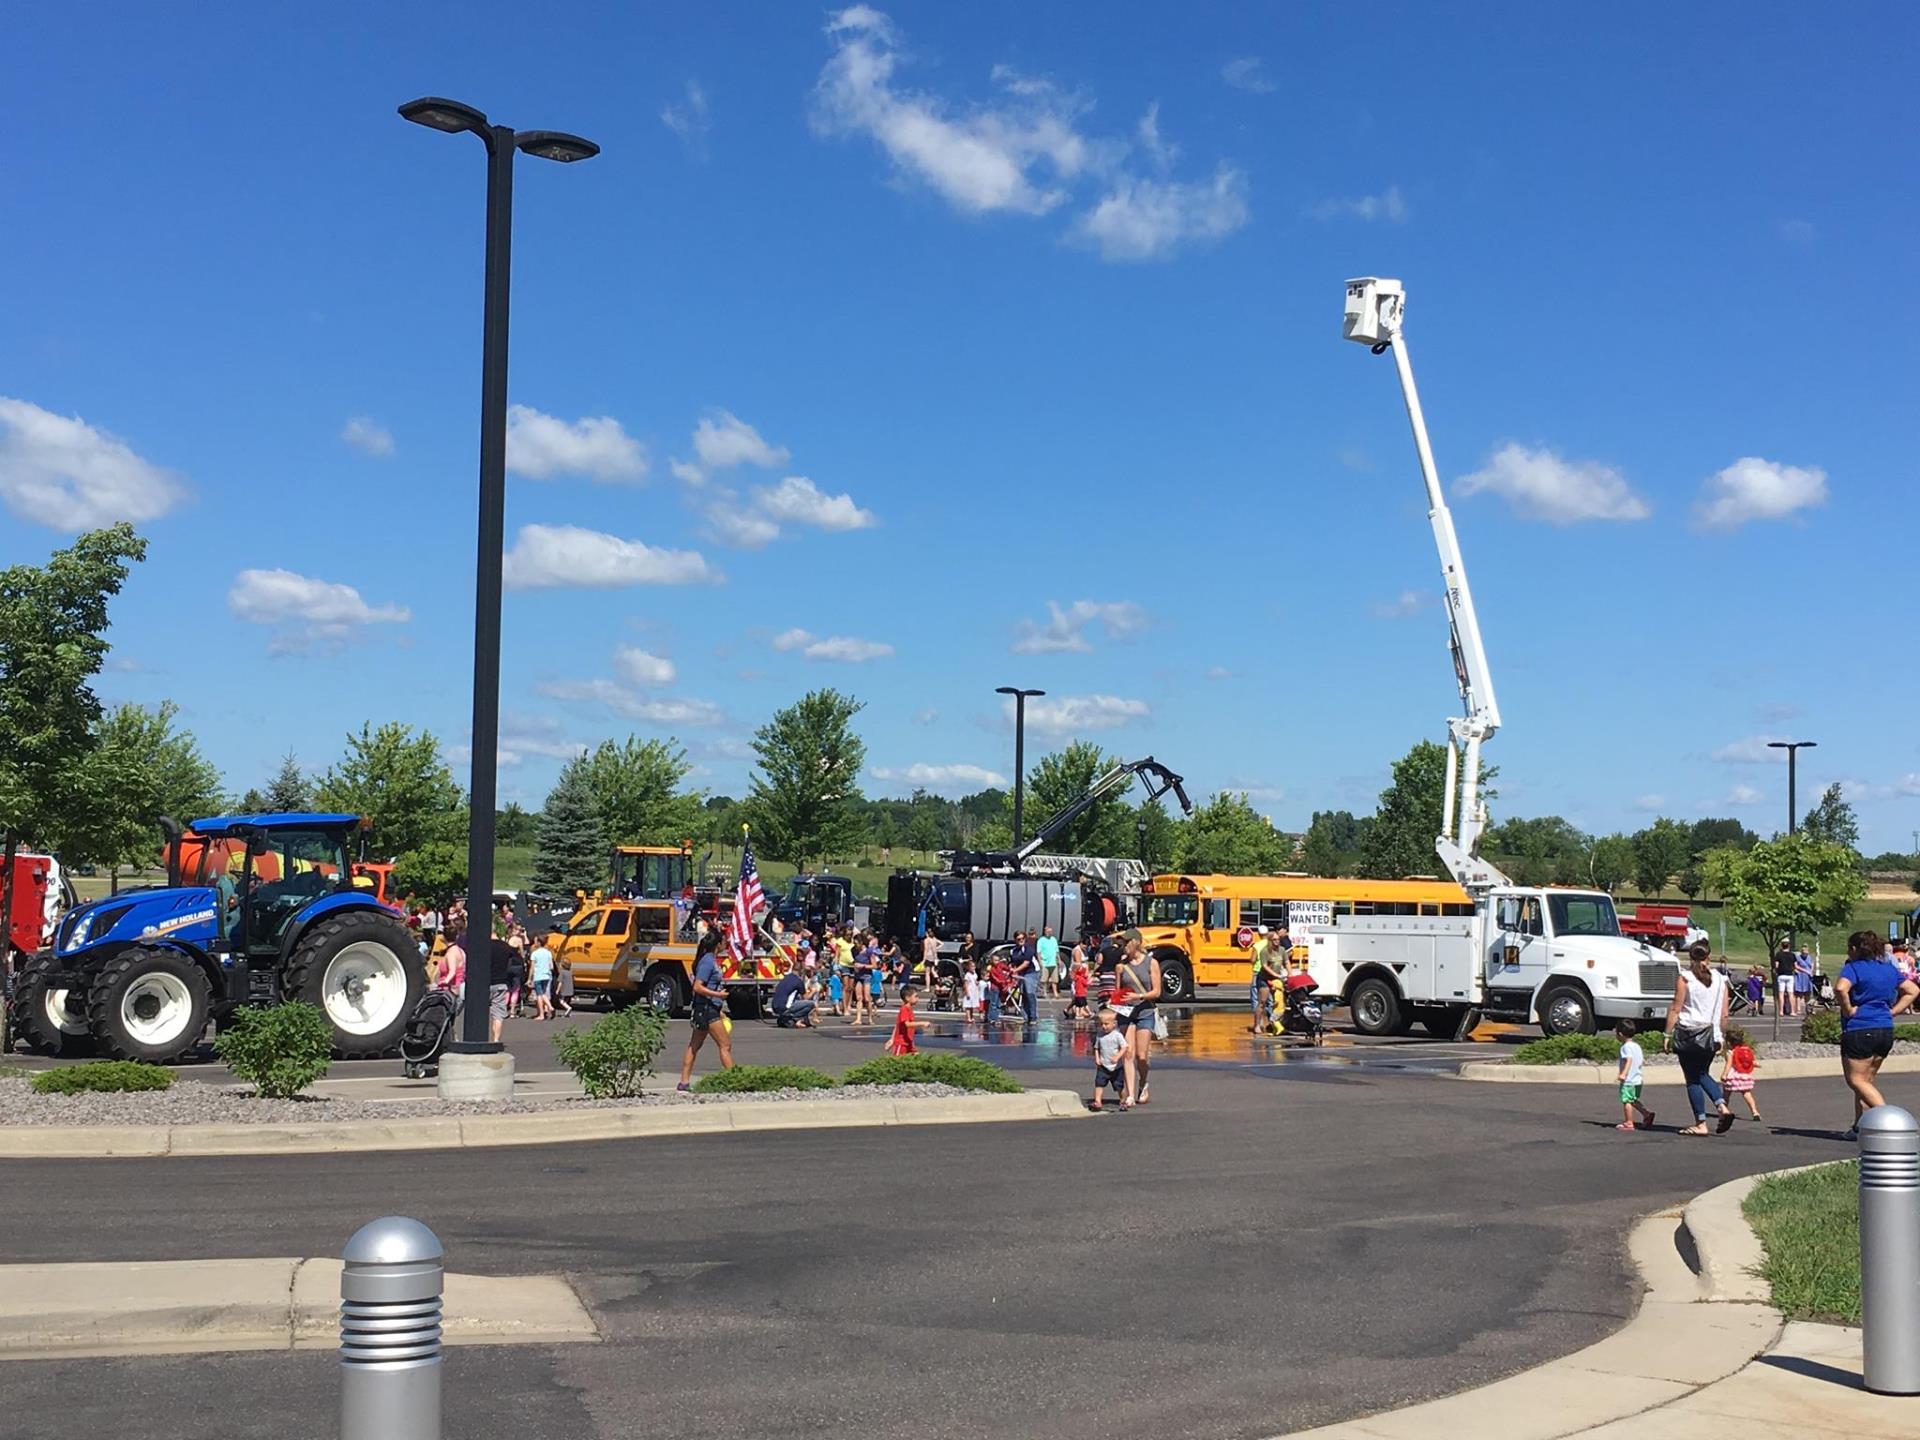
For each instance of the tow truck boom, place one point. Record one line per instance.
(1157, 778)
(1375, 312)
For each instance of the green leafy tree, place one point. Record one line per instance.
(1059, 779)
(1832, 820)
(571, 850)
(1717, 834)
(1331, 845)
(1610, 863)
(289, 789)
(1227, 836)
(1162, 838)
(1658, 852)
(436, 870)
(1546, 850)
(53, 618)
(147, 769)
(514, 826)
(1786, 885)
(926, 823)
(400, 784)
(636, 790)
(1692, 879)
(805, 789)
(1400, 839)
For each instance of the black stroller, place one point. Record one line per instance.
(429, 1029)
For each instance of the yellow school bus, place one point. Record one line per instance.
(1190, 922)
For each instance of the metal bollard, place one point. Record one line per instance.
(1890, 1250)
(390, 1332)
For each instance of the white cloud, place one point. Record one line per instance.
(832, 647)
(1145, 219)
(1389, 205)
(1064, 629)
(544, 557)
(522, 736)
(1742, 795)
(1255, 790)
(926, 716)
(1021, 152)
(690, 118)
(543, 446)
(796, 500)
(1247, 73)
(305, 613)
(1070, 714)
(724, 440)
(60, 471)
(1407, 603)
(941, 779)
(1539, 485)
(1650, 803)
(632, 706)
(369, 437)
(987, 159)
(1219, 672)
(641, 667)
(1755, 489)
(1753, 750)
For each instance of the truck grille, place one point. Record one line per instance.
(1657, 977)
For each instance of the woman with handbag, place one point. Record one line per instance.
(1140, 981)
(1696, 1030)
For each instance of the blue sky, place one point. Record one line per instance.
(923, 349)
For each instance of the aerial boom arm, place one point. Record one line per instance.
(1157, 777)
(1374, 316)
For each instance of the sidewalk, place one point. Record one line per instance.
(1704, 1357)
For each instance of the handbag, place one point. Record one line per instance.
(1695, 1041)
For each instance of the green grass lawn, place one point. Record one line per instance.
(1810, 1226)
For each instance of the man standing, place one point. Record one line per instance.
(1049, 953)
(1026, 969)
(1257, 992)
(1783, 981)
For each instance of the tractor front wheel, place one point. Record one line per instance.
(148, 1004)
(362, 968)
(50, 1018)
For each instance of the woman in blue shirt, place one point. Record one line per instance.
(1872, 991)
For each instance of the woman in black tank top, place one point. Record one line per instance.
(1140, 975)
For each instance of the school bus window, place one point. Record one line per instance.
(1169, 909)
(1217, 911)
(1456, 909)
(1343, 907)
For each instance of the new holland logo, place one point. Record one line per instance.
(167, 927)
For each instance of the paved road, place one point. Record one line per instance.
(1262, 1248)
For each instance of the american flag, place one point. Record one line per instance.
(749, 904)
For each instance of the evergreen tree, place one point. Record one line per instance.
(1832, 820)
(288, 790)
(570, 851)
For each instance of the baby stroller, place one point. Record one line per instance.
(944, 985)
(428, 1031)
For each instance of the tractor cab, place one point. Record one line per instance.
(651, 872)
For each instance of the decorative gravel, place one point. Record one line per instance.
(191, 1102)
(1766, 1050)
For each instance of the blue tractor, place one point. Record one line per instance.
(257, 909)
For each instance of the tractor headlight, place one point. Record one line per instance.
(77, 936)
(95, 922)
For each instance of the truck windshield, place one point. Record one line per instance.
(1583, 915)
(1169, 909)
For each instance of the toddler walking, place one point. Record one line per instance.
(969, 991)
(1111, 1064)
(901, 1041)
(1633, 1062)
(1737, 1076)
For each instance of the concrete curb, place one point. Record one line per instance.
(451, 1132)
(1692, 1330)
(1506, 1072)
(175, 1307)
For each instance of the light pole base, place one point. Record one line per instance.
(476, 1077)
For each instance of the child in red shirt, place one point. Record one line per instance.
(1737, 1076)
(1080, 976)
(901, 1042)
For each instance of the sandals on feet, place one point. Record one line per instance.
(1623, 1125)
(1725, 1122)
(1698, 1128)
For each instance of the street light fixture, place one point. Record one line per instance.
(1793, 749)
(488, 1078)
(1020, 698)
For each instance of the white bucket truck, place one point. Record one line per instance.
(1548, 955)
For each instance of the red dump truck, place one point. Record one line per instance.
(1670, 927)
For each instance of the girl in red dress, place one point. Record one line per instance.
(901, 1041)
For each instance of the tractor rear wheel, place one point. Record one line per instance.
(148, 1004)
(362, 968)
(50, 1018)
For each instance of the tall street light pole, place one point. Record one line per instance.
(1793, 749)
(491, 1077)
(1020, 698)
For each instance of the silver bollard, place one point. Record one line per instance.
(390, 1332)
(1890, 1250)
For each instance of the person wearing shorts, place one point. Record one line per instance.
(1783, 981)
(505, 964)
(709, 1016)
(540, 976)
(1871, 991)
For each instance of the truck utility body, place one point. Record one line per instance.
(1555, 956)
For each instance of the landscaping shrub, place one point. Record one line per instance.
(753, 1079)
(104, 1077)
(1823, 1028)
(279, 1050)
(1553, 1049)
(612, 1059)
(963, 1072)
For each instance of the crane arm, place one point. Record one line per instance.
(1376, 311)
(1158, 779)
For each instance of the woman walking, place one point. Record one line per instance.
(1140, 978)
(1697, 1028)
(1872, 991)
